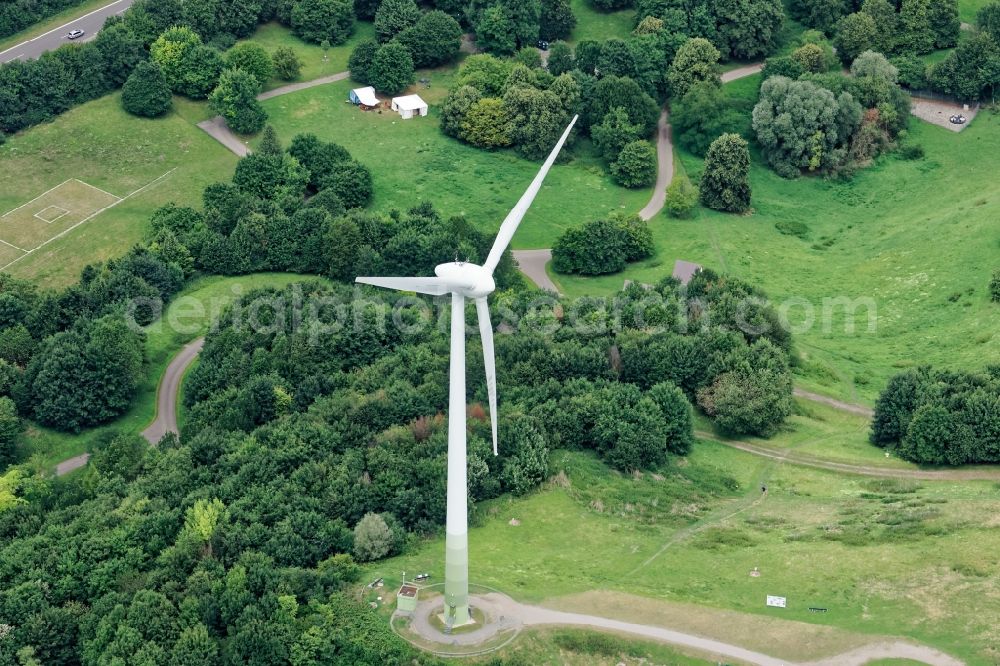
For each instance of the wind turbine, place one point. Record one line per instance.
(464, 280)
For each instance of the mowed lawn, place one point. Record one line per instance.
(412, 161)
(103, 146)
(916, 240)
(884, 558)
(272, 35)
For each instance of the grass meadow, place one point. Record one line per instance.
(105, 147)
(883, 557)
(915, 240)
(412, 161)
(194, 310)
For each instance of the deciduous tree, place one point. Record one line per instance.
(725, 184)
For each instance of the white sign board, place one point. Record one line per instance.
(778, 602)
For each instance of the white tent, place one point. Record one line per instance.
(409, 106)
(365, 96)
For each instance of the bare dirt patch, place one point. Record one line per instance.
(938, 112)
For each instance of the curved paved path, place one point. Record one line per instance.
(168, 392)
(664, 174)
(664, 167)
(217, 129)
(513, 613)
(532, 263)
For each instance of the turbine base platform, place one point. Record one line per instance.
(491, 626)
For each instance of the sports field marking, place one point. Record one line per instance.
(48, 191)
(113, 196)
(12, 245)
(60, 211)
(62, 233)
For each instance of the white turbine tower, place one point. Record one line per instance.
(464, 280)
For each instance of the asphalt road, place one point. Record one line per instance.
(166, 396)
(90, 23)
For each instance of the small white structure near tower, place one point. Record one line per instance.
(409, 106)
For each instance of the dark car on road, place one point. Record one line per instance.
(74, 34)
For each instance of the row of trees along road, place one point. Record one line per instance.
(193, 37)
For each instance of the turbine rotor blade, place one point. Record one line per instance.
(434, 286)
(489, 362)
(514, 217)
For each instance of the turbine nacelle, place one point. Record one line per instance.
(468, 280)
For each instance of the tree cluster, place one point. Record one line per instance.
(496, 103)
(740, 29)
(17, 15)
(604, 246)
(828, 122)
(69, 359)
(940, 417)
(909, 26)
(185, 38)
(236, 542)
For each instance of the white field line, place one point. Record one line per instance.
(64, 25)
(13, 246)
(98, 189)
(61, 215)
(89, 217)
(38, 197)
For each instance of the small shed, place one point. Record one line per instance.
(406, 598)
(364, 97)
(685, 270)
(409, 106)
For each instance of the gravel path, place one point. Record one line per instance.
(514, 614)
(664, 167)
(169, 391)
(741, 72)
(532, 264)
(217, 129)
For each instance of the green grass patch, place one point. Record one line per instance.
(187, 317)
(875, 240)
(272, 35)
(412, 161)
(881, 557)
(967, 9)
(600, 26)
(104, 146)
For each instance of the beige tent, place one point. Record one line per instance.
(409, 106)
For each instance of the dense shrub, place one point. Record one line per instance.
(287, 65)
(146, 92)
(85, 376)
(317, 21)
(602, 246)
(940, 417)
(635, 165)
(235, 99)
(725, 184)
(704, 114)
(391, 69)
(252, 58)
(681, 198)
(434, 40)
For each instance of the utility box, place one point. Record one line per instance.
(406, 598)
